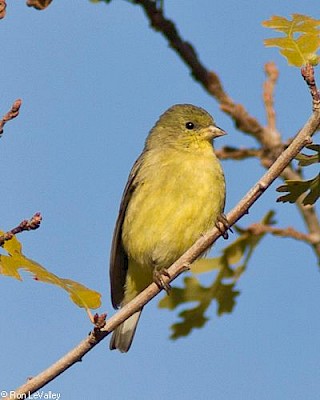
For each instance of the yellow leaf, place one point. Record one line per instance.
(293, 57)
(9, 267)
(12, 246)
(235, 251)
(301, 40)
(81, 295)
(206, 265)
(15, 260)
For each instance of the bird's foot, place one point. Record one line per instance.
(158, 275)
(223, 225)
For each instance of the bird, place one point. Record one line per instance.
(174, 194)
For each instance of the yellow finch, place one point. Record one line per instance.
(175, 192)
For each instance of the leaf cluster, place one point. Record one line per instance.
(299, 44)
(229, 266)
(309, 188)
(301, 39)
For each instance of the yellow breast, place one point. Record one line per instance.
(179, 196)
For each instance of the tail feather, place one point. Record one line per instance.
(122, 336)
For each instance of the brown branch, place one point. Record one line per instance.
(308, 213)
(308, 75)
(268, 137)
(26, 225)
(3, 7)
(233, 153)
(202, 244)
(246, 123)
(268, 97)
(259, 228)
(208, 79)
(38, 4)
(13, 113)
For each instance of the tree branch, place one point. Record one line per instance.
(13, 113)
(233, 153)
(268, 137)
(25, 225)
(259, 228)
(268, 97)
(202, 244)
(3, 6)
(38, 4)
(308, 213)
(208, 79)
(307, 73)
(244, 122)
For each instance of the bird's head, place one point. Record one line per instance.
(184, 126)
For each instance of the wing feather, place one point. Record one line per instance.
(119, 257)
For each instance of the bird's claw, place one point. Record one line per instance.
(158, 279)
(223, 225)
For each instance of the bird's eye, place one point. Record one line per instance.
(190, 125)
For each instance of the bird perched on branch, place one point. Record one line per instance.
(175, 192)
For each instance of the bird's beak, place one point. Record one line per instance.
(215, 131)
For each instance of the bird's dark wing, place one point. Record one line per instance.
(119, 257)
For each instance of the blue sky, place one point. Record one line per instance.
(94, 79)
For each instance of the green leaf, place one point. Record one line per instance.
(301, 40)
(205, 265)
(296, 189)
(226, 297)
(197, 298)
(191, 292)
(314, 192)
(192, 318)
(15, 260)
(305, 159)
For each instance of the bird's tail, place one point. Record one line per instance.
(122, 336)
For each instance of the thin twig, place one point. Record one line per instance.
(3, 7)
(38, 4)
(308, 75)
(205, 242)
(271, 143)
(26, 225)
(259, 228)
(245, 122)
(268, 97)
(308, 213)
(13, 113)
(208, 79)
(233, 153)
